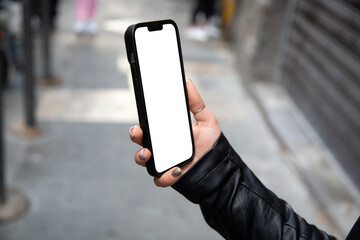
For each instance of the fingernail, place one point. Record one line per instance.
(190, 80)
(141, 155)
(130, 133)
(177, 172)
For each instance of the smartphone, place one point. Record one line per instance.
(154, 53)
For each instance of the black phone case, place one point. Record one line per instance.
(139, 95)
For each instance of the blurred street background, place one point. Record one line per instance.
(281, 76)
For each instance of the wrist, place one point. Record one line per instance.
(193, 182)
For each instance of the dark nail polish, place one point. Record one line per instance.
(141, 155)
(177, 172)
(130, 133)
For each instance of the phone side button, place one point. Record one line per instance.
(132, 58)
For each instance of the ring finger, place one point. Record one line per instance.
(142, 156)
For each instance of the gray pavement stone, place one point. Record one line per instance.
(83, 184)
(89, 62)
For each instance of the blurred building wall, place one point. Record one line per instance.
(257, 32)
(312, 47)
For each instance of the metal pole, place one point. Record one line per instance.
(29, 87)
(47, 67)
(13, 203)
(3, 196)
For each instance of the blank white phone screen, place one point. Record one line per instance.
(165, 101)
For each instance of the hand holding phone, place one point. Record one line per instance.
(154, 54)
(206, 131)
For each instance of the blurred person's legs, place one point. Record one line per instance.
(209, 9)
(203, 11)
(210, 12)
(201, 27)
(53, 12)
(85, 13)
(196, 11)
(38, 12)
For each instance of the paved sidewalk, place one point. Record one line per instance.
(80, 177)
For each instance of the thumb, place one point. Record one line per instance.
(196, 104)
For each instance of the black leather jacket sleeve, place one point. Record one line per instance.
(236, 204)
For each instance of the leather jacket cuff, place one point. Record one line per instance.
(236, 204)
(204, 176)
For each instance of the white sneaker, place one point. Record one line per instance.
(196, 33)
(91, 27)
(79, 27)
(212, 31)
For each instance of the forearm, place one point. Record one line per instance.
(236, 204)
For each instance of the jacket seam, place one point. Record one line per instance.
(293, 227)
(233, 198)
(254, 191)
(261, 197)
(267, 203)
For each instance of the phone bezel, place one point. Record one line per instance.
(131, 49)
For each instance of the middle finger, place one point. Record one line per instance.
(142, 156)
